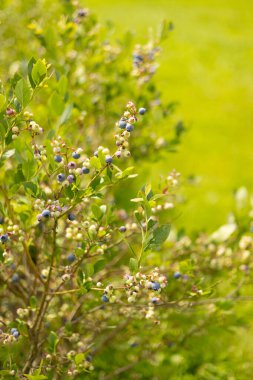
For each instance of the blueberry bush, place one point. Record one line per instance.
(96, 282)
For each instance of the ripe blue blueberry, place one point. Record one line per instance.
(122, 124)
(71, 258)
(104, 298)
(58, 158)
(16, 334)
(142, 111)
(15, 278)
(129, 127)
(156, 286)
(70, 178)
(46, 213)
(13, 330)
(154, 300)
(177, 275)
(122, 229)
(86, 170)
(61, 177)
(71, 217)
(96, 153)
(4, 238)
(76, 155)
(108, 159)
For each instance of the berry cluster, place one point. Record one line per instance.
(108, 295)
(7, 338)
(126, 123)
(71, 160)
(153, 282)
(144, 65)
(49, 209)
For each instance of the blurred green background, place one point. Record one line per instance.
(206, 65)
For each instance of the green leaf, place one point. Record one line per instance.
(157, 237)
(133, 265)
(161, 234)
(88, 270)
(19, 175)
(148, 192)
(33, 302)
(53, 340)
(79, 358)
(39, 72)
(2, 101)
(99, 265)
(30, 67)
(23, 92)
(65, 114)
(126, 173)
(96, 211)
(31, 188)
(56, 104)
(151, 223)
(80, 277)
(36, 377)
(62, 85)
(51, 134)
(95, 163)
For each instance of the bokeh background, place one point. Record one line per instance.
(206, 65)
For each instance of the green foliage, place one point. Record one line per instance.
(96, 282)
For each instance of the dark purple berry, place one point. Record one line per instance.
(46, 213)
(177, 275)
(142, 111)
(71, 217)
(108, 159)
(122, 229)
(71, 258)
(4, 238)
(86, 170)
(58, 159)
(61, 177)
(104, 298)
(129, 127)
(122, 124)
(76, 155)
(156, 286)
(16, 334)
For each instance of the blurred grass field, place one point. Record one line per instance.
(206, 65)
